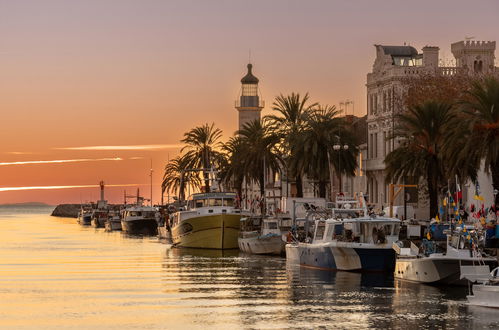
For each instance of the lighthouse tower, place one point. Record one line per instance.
(249, 105)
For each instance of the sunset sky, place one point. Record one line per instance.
(92, 90)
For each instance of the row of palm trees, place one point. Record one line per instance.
(296, 140)
(441, 140)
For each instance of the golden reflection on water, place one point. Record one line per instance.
(57, 274)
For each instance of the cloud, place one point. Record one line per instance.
(68, 187)
(58, 161)
(20, 153)
(129, 147)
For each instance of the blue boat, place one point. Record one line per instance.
(362, 243)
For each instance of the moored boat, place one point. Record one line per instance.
(485, 291)
(268, 240)
(139, 220)
(85, 216)
(440, 267)
(113, 221)
(211, 221)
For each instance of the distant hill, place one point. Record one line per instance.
(27, 204)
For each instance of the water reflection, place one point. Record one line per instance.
(57, 274)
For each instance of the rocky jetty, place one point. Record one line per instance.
(66, 210)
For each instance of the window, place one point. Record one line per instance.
(319, 233)
(375, 145)
(228, 202)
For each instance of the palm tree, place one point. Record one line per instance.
(202, 143)
(323, 130)
(289, 122)
(232, 169)
(422, 132)
(178, 175)
(261, 154)
(479, 129)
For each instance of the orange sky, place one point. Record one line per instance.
(115, 73)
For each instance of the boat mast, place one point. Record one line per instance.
(151, 181)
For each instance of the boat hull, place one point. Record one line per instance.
(484, 295)
(85, 220)
(262, 244)
(342, 257)
(140, 227)
(444, 271)
(113, 225)
(99, 222)
(219, 231)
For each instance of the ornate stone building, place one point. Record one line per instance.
(385, 89)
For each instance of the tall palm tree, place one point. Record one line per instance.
(178, 176)
(202, 144)
(324, 129)
(289, 122)
(422, 132)
(232, 169)
(479, 129)
(261, 154)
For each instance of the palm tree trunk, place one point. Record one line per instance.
(322, 189)
(299, 185)
(432, 192)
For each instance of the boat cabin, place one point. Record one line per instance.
(366, 230)
(209, 200)
(270, 226)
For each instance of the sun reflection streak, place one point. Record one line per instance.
(57, 161)
(68, 187)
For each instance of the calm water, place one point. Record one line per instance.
(57, 274)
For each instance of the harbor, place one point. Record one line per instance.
(111, 280)
(257, 164)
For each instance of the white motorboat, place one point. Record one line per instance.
(113, 221)
(435, 267)
(350, 240)
(268, 240)
(140, 220)
(485, 291)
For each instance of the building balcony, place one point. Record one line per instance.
(249, 102)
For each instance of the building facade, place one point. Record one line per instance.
(385, 90)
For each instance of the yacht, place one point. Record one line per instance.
(210, 221)
(431, 266)
(113, 221)
(267, 240)
(361, 243)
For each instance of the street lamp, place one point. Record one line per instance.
(338, 147)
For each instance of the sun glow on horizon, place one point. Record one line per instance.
(58, 161)
(126, 147)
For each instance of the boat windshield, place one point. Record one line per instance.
(228, 202)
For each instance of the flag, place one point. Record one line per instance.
(459, 193)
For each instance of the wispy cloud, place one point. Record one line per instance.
(68, 187)
(57, 161)
(128, 147)
(20, 153)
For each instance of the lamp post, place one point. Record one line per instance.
(338, 147)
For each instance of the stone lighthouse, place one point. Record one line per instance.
(249, 105)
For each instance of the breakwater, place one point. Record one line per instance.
(71, 210)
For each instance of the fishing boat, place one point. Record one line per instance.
(210, 221)
(347, 241)
(485, 290)
(85, 216)
(431, 266)
(267, 240)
